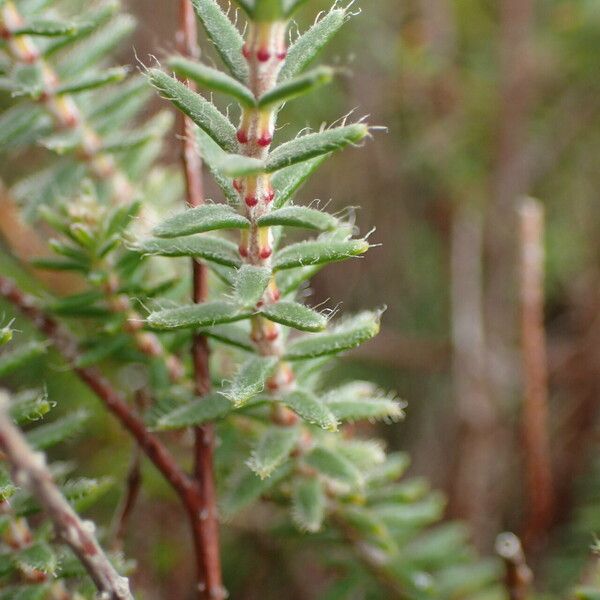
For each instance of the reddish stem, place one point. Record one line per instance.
(203, 516)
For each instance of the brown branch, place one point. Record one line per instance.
(113, 401)
(536, 441)
(204, 516)
(518, 577)
(30, 471)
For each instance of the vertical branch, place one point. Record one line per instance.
(518, 576)
(204, 517)
(29, 470)
(535, 409)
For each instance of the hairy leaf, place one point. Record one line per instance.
(245, 488)
(311, 409)
(197, 316)
(273, 448)
(208, 217)
(37, 557)
(316, 144)
(298, 86)
(299, 216)
(93, 80)
(250, 379)
(293, 314)
(349, 334)
(224, 35)
(362, 400)
(30, 405)
(212, 249)
(200, 110)
(11, 360)
(308, 504)
(334, 466)
(203, 410)
(305, 49)
(316, 252)
(250, 284)
(212, 79)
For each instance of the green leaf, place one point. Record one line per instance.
(348, 334)
(213, 249)
(315, 144)
(207, 217)
(197, 316)
(200, 110)
(299, 216)
(293, 314)
(364, 454)
(58, 264)
(286, 182)
(317, 252)
(47, 28)
(92, 81)
(245, 488)
(250, 379)
(7, 487)
(370, 526)
(273, 449)
(308, 504)
(83, 493)
(226, 164)
(394, 467)
(28, 80)
(102, 350)
(212, 79)
(94, 19)
(311, 409)
(291, 279)
(211, 407)
(30, 405)
(38, 557)
(250, 284)
(362, 400)
(49, 434)
(414, 515)
(224, 35)
(298, 86)
(334, 466)
(305, 49)
(19, 357)
(79, 305)
(291, 6)
(406, 491)
(232, 335)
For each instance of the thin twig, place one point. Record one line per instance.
(30, 471)
(536, 441)
(205, 525)
(518, 577)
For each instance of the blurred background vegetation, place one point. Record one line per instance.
(484, 101)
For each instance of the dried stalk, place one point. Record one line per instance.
(30, 471)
